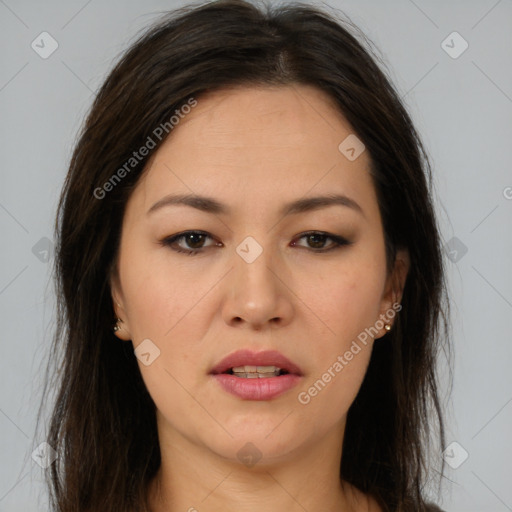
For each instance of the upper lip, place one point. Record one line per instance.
(250, 358)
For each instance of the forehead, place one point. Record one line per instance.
(262, 117)
(257, 142)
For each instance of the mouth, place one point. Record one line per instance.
(256, 375)
(256, 372)
(246, 364)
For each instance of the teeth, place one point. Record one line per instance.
(255, 375)
(252, 369)
(256, 372)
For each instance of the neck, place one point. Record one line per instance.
(193, 478)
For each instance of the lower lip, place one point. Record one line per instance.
(264, 388)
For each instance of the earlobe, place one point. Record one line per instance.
(120, 327)
(393, 292)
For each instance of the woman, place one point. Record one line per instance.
(249, 276)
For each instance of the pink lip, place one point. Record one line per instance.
(261, 388)
(265, 358)
(257, 389)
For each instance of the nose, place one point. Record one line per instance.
(256, 294)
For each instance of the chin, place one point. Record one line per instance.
(262, 444)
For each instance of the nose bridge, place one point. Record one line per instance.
(253, 266)
(255, 292)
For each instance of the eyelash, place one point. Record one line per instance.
(169, 241)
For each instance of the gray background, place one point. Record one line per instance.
(462, 107)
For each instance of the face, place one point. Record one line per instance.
(310, 283)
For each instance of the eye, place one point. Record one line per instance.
(317, 240)
(194, 240)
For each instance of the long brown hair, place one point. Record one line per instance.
(103, 424)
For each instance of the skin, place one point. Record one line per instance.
(254, 149)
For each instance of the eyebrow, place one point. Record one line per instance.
(211, 205)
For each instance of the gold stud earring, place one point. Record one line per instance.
(387, 327)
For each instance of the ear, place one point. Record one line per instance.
(394, 288)
(123, 333)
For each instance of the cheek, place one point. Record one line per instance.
(327, 397)
(346, 301)
(157, 295)
(162, 309)
(164, 306)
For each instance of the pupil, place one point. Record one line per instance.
(317, 244)
(190, 241)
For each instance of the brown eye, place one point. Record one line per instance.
(193, 240)
(317, 240)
